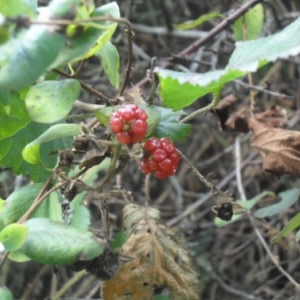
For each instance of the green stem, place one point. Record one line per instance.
(212, 105)
(69, 284)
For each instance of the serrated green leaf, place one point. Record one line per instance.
(178, 90)
(248, 204)
(88, 42)
(18, 203)
(288, 198)
(55, 243)
(50, 101)
(249, 56)
(202, 19)
(169, 126)
(249, 26)
(31, 153)
(291, 225)
(13, 236)
(17, 130)
(5, 293)
(110, 61)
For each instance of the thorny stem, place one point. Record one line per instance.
(207, 108)
(83, 85)
(210, 185)
(216, 30)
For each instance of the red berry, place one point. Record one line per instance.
(124, 137)
(152, 144)
(166, 165)
(129, 124)
(160, 157)
(153, 165)
(139, 126)
(175, 158)
(144, 166)
(160, 175)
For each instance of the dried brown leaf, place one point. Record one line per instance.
(160, 260)
(279, 148)
(274, 117)
(222, 109)
(238, 122)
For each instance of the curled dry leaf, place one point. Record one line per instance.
(159, 260)
(274, 117)
(223, 108)
(279, 148)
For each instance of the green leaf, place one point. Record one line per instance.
(13, 236)
(31, 153)
(119, 240)
(5, 293)
(50, 101)
(170, 127)
(110, 61)
(249, 26)
(35, 52)
(248, 204)
(251, 55)
(18, 203)
(17, 130)
(18, 256)
(80, 214)
(55, 243)
(88, 42)
(288, 198)
(15, 8)
(291, 225)
(199, 21)
(179, 90)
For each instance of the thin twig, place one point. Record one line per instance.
(210, 35)
(202, 110)
(273, 258)
(263, 90)
(224, 285)
(237, 152)
(193, 207)
(33, 283)
(83, 85)
(69, 284)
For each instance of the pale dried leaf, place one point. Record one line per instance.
(279, 148)
(160, 260)
(274, 117)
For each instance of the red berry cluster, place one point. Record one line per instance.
(129, 124)
(160, 157)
